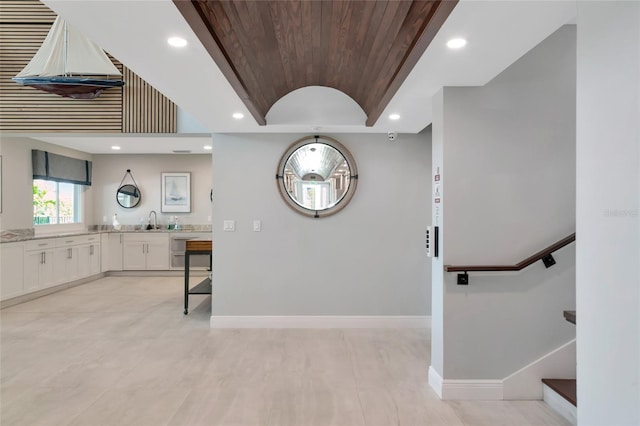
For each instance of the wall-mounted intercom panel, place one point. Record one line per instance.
(432, 241)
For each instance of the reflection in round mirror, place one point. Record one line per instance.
(317, 176)
(128, 196)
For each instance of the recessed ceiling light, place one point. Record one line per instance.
(238, 115)
(207, 147)
(177, 42)
(394, 117)
(456, 43)
(115, 148)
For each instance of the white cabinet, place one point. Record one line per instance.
(11, 270)
(112, 248)
(89, 259)
(90, 252)
(178, 247)
(145, 251)
(65, 264)
(76, 257)
(135, 254)
(39, 265)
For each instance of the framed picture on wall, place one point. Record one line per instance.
(176, 192)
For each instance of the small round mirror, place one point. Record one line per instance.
(128, 196)
(317, 176)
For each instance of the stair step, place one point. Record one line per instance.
(566, 388)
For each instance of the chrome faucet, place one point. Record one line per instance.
(155, 220)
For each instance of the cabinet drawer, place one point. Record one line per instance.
(74, 240)
(39, 244)
(197, 261)
(155, 237)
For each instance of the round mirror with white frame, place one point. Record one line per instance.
(317, 176)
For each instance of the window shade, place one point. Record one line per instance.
(59, 168)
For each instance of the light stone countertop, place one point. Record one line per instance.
(18, 235)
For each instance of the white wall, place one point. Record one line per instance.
(17, 181)
(608, 213)
(108, 171)
(507, 152)
(368, 259)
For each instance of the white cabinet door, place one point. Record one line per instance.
(46, 270)
(39, 270)
(88, 260)
(84, 260)
(146, 252)
(94, 259)
(157, 251)
(134, 255)
(114, 252)
(11, 270)
(104, 252)
(61, 265)
(32, 264)
(74, 264)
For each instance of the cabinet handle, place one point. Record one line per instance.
(44, 257)
(43, 244)
(69, 242)
(90, 250)
(120, 238)
(69, 254)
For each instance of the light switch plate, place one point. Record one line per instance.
(229, 225)
(257, 226)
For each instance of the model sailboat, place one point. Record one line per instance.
(70, 65)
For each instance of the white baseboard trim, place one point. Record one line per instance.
(435, 381)
(47, 291)
(525, 384)
(319, 321)
(448, 389)
(560, 405)
(468, 390)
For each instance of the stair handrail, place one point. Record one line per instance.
(518, 266)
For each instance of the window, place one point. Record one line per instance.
(56, 202)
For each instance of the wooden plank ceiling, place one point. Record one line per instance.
(268, 48)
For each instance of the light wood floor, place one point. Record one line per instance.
(119, 351)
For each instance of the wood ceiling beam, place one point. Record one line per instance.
(198, 23)
(440, 13)
(268, 48)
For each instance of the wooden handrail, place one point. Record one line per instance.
(518, 266)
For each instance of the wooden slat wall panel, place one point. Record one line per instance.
(23, 26)
(25, 109)
(22, 11)
(144, 109)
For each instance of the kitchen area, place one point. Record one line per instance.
(148, 237)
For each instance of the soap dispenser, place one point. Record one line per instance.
(116, 224)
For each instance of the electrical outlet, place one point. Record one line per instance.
(229, 225)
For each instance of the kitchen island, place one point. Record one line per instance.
(196, 247)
